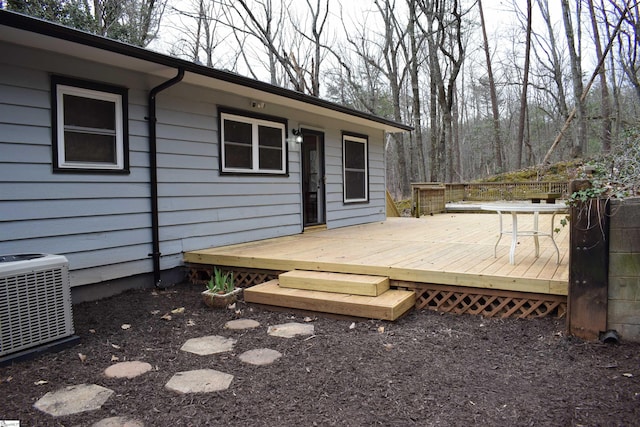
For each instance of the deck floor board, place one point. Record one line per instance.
(449, 249)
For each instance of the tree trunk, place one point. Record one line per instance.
(605, 102)
(525, 83)
(580, 148)
(417, 155)
(497, 144)
(561, 98)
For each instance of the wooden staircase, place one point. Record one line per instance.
(348, 294)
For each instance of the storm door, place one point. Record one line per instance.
(313, 180)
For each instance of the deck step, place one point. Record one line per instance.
(388, 306)
(352, 284)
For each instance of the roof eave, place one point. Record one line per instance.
(66, 34)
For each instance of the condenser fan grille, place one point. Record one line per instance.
(35, 303)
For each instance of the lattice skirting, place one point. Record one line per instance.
(448, 299)
(200, 274)
(485, 302)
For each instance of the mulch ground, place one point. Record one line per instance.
(425, 369)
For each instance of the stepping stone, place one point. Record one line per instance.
(260, 356)
(241, 324)
(199, 381)
(290, 330)
(118, 422)
(127, 369)
(211, 344)
(73, 399)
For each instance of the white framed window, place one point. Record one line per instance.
(90, 131)
(252, 144)
(355, 168)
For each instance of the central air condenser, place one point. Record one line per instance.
(35, 301)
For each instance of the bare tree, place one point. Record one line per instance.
(199, 29)
(584, 94)
(525, 84)
(133, 21)
(550, 66)
(412, 54)
(263, 22)
(605, 101)
(580, 148)
(494, 97)
(267, 22)
(629, 41)
(395, 72)
(444, 41)
(309, 73)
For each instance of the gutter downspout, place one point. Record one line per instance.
(153, 173)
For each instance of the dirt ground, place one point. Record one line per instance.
(426, 369)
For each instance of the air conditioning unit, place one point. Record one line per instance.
(35, 301)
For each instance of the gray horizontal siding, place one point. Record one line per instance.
(340, 214)
(23, 210)
(113, 271)
(95, 220)
(53, 227)
(101, 222)
(201, 207)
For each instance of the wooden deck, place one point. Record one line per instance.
(445, 249)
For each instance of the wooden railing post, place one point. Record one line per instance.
(588, 269)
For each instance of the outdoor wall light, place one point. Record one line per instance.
(298, 135)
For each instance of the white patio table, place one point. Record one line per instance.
(526, 208)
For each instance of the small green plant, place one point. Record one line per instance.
(221, 283)
(563, 222)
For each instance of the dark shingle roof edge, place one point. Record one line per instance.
(39, 26)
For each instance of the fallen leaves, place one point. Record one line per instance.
(82, 357)
(168, 316)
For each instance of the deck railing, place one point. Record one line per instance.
(430, 197)
(503, 190)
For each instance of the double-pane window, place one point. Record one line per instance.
(90, 131)
(252, 145)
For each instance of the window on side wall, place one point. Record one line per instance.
(252, 144)
(89, 122)
(355, 168)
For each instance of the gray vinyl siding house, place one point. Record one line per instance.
(103, 221)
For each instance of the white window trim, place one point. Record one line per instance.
(62, 90)
(365, 143)
(255, 147)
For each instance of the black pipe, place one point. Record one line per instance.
(153, 173)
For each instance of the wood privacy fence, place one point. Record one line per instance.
(431, 197)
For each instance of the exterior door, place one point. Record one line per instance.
(313, 179)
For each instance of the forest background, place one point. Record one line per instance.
(489, 86)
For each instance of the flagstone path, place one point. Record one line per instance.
(87, 397)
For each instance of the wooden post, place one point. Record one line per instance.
(588, 269)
